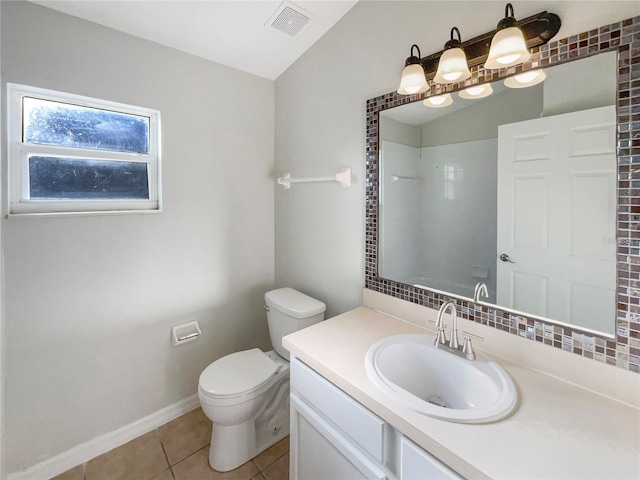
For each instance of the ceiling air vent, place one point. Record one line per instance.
(289, 20)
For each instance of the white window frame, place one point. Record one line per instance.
(18, 163)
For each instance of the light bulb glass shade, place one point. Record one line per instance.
(526, 79)
(452, 67)
(413, 80)
(439, 101)
(477, 91)
(508, 48)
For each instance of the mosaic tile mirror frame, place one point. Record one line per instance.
(623, 350)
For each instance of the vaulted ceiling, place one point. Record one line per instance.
(237, 33)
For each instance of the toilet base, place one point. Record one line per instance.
(235, 445)
(231, 446)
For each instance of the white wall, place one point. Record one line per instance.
(400, 132)
(90, 300)
(572, 86)
(320, 123)
(480, 120)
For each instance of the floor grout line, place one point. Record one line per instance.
(274, 461)
(166, 456)
(164, 450)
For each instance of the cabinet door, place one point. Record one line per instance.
(417, 464)
(320, 452)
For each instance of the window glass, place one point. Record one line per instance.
(55, 123)
(73, 178)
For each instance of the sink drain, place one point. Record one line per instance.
(438, 400)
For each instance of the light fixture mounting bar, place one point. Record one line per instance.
(537, 30)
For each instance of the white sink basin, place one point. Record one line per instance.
(409, 369)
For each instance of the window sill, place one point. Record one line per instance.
(82, 214)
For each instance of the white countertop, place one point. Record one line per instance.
(558, 431)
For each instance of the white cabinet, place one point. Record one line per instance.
(320, 452)
(333, 437)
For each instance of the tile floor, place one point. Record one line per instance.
(178, 450)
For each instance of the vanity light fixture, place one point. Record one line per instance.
(413, 79)
(508, 46)
(439, 101)
(536, 30)
(452, 66)
(476, 91)
(526, 79)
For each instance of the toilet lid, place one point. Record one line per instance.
(237, 373)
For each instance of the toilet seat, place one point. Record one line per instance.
(237, 374)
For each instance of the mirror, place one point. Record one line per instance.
(525, 174)
(620, 348)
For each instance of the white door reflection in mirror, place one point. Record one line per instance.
(556, 217)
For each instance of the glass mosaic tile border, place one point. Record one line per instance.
(624, 350)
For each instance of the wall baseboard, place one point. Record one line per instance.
(102, 444)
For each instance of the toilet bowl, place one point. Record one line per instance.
(237, 391)
(246, 394)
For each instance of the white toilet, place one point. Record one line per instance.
(246, 394)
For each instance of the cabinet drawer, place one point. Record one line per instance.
(358, 423)
(417, 464)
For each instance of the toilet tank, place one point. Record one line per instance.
(288, 311)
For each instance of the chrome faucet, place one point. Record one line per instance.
(453, 346)
(453, 342)
(480, 291)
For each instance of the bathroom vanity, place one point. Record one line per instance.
(343, 426)
(333, 436)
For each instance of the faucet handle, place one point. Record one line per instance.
(441, 336)
(467, 348)
(472, 335)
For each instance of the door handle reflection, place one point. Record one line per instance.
(505, 258)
